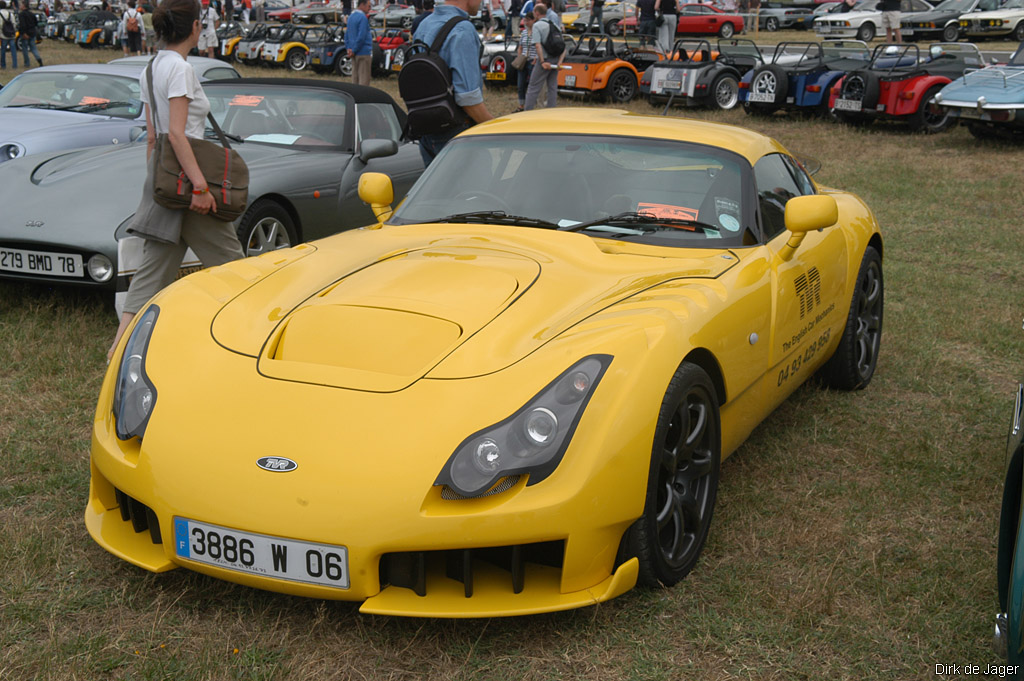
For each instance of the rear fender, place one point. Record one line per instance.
(909, 98)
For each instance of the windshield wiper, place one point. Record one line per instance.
(495, 217)
(43, 105)
(637, 218)
(211, 133)
(97, 106)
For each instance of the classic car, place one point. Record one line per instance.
(229, 34)
(771, 17)
(247, 50)
(943, 22)
(1006, 22)
(1009, 630)
(306, 142)
(699, 19)
(288, 45)
(206, 68)
(898, 85)
(400, 16)
(576, 314)
(389, 49)
(284, 14)
(612, 15)
(71, 23)
(67, 106)
(332, 12)
(799, 76)
(864, 22)
(496, 62)
(329, 54)
(695, 75)
(96, 29)
(989, 100)
(598, 64)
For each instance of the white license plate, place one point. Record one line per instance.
(906, 31)
(848, 105)
(570, 81)
(38, 262)
(292, 560)
(765, 97)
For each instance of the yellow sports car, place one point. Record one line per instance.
(512, 395)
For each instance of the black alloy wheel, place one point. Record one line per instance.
(854, 361)
(622, 86)
(930, 118)
(682, 484)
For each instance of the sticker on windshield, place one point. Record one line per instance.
(727, 210)
(664, 210)
(94, 100)
(246, 100)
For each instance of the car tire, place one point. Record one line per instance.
(406, 22)
(377, 61)
(983, 131)
(930, 118)
(398, 57)
(1018, 32)
(613, 28)
(682, 482)
(296, 59)
(951, 33)
(500, 63)
(725, 91)
(343, 65)
(853, 363)
(320, 19)
(770, 78)
(771, 24)
(726, 30)
(862, 85)
(265, 227)
(759, 109)
(622, 86)
(866, 32)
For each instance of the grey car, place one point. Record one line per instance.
(306, 143)
(70, 106)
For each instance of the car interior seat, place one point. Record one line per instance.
(248, 121)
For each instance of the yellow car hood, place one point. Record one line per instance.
(378, 310)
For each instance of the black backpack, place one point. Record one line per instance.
(425, 85)
(554, 43)
(7, 29)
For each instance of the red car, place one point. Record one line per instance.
(698, 19)
(285, 14)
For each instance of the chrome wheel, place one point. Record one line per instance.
(266, 227)
(727, 91)
(765, 83)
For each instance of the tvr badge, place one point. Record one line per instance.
(276, 464)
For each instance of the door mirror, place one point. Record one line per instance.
(377, 148)
(376, 190)
(136, 133)
(808, 213)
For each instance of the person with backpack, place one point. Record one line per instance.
(132, 20)
(359, 43)
(8, 32)
(550, 44)
(459, 52)
(28, 31)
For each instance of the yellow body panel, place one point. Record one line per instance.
(367, 357)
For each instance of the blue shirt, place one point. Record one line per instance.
(419, 20)
(527, 8)
(461, 51)
(357, 34)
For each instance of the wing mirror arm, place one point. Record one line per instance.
(376, 190)
(805, 214)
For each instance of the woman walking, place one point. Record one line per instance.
(178, 108)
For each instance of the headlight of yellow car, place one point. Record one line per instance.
(532, 440)
(134, 393)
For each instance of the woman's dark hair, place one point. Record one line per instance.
(173, 20)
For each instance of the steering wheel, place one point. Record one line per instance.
(479, 195)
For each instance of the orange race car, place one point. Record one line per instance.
(596, 64)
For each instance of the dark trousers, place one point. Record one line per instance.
(431, 145)
(596, 14)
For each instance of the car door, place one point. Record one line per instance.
(809, 283)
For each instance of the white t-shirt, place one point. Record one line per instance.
(208, 19)
(175, 77)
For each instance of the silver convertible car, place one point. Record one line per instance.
(306, 143)
(80, 105)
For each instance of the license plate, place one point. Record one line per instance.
(315, 60)
(292, 560)
(906, 31)
(38, 262)
(398, 67)
(764, 97)
(848, 105)
(570, 81)
(494, 75)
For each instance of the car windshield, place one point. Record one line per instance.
(836, 50)
(865, 6)
(655, 191)
(1014, 4)
(281, 115)
(955, 5)
(78, 92)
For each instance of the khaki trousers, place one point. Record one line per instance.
(361, 69)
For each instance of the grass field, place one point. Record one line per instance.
(854, 536)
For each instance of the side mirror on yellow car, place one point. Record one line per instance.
(376, 190)
(806, 214)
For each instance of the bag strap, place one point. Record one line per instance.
(442, 35)
(152, 106)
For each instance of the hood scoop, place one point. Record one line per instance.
(387, 325)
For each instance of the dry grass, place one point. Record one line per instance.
(854, 537)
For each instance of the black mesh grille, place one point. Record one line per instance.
(410, 569)
(502, 485)
(139, 515)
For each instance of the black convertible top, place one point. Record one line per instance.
(362, 94)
